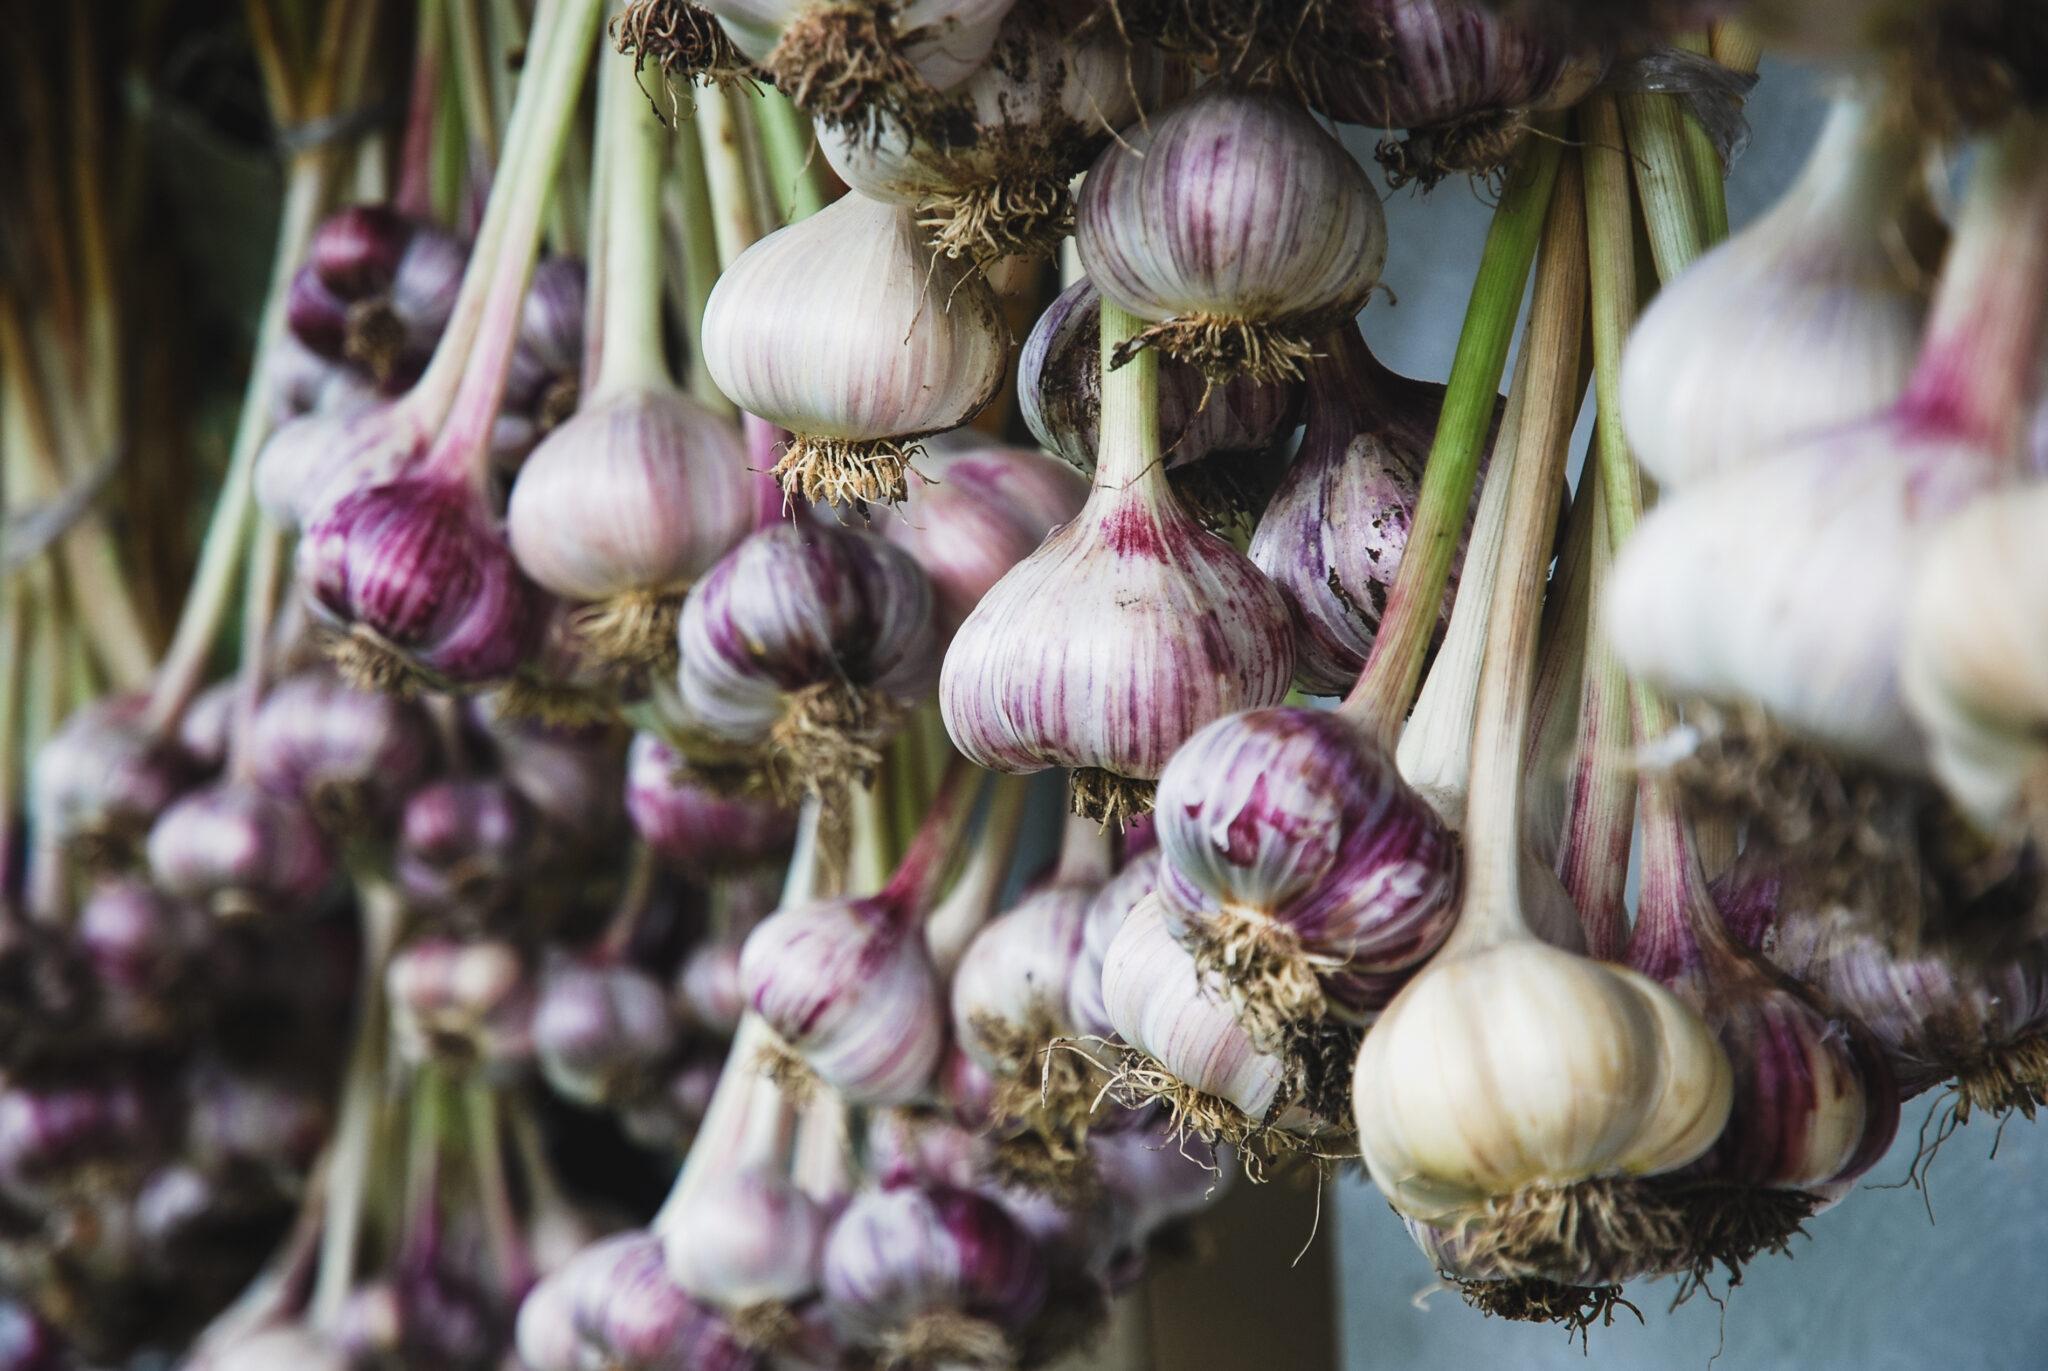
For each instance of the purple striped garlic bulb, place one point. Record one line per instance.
(1333, 535)
(238, 850)
(103, 779)
(376, 291)
(614, 1305)
(805, 645)
(464, 845)
(1059, 393)
(641, 490)
(1300, 869)
(694, 828)
(993, 181)
(1130, 629)
(848, 984)
(932, 1276)
(601, 1030)
(851, 66)
(461, 1004)
(1236, 228)
(348, 755)
(1814, 1103)
(846, 329)
(1461, 80)
(974, 512)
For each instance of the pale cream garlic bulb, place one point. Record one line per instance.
(1806, 319)
(642, 489)
(1781, 587)
(1975, 660)
(993, 180)
(848, 330)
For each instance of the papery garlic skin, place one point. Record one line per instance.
(1059, 393)
(1517, 1065)
(1808, 318)
(1113, 643)
(844, 329)
(746, 1239)
(692, 827)
(797, 606)
(1011, 988)
(852, 992)
(461, 1003)
(1232, 214)
(1107, 910)
(1974, 662)
(599, 1030)
(239, 850)
(973, 513)
(348, 754)
(1782, 584)
(104, 777)
(643, 491)
(1155, 1000)
(1296, 824)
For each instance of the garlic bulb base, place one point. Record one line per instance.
(681, 40)
(1477, 145)
(1022, 213)
(367, 660)
(1577, 1308)
(1261, 969)
(768, 1327)
(553, 704)
(845, 471)
(1223, 348)
(1109, 798)
(376, 338)
(829, 739)
(1140, 1082)
(1730, 1226)
(950, 1339)
(783, 1067)
(2015, 1078)
(635, 630)
(1610, 1227)
(843, 65)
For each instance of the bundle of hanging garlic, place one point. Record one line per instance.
(606, 914)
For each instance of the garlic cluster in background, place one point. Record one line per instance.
(714, 479)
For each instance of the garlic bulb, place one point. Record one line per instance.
(975, 512)
(1059, 393)
(747, 1239)
(1127, 631)
(624, 1313)
(461, 1004)
(1806, 319)
(464, 845)
(693, 828)
(1333, 536)
(847, 330)
(104, 777)
(1975, 663)
(932, 1276)
(239, 850)
(993, 180)
(1199, 1061)
(1783, 584)
(348, 755)
(806, 642)
(1236, 227)
(852, 64)
(1460, 79)
(600, 1030)
(638, 492)
(1299, 868)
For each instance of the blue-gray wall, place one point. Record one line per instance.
(1879, 1286)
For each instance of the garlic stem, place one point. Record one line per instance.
(502, 1236)
(625, 302)
(1493, 837)
(1129, 446)
(914, 887)
(1611, 255)
(1703, 159)
(790, 155)
(1435, 752)
(465, 380)
(972, 900)
(414, 196)
(694, 235)
(472, 79)
(1413, 603)
(1979, 365)
(1084, 852)
(261, 591)
(1736, 45)
(733, 219)
(1656, 143)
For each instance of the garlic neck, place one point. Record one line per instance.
(1978, 369)
(625, 349)
(1128, 454)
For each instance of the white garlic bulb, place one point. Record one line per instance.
(746, 1239)
(1807, 318)
(1975, 661)
(847, 330)
(1515, 1065)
